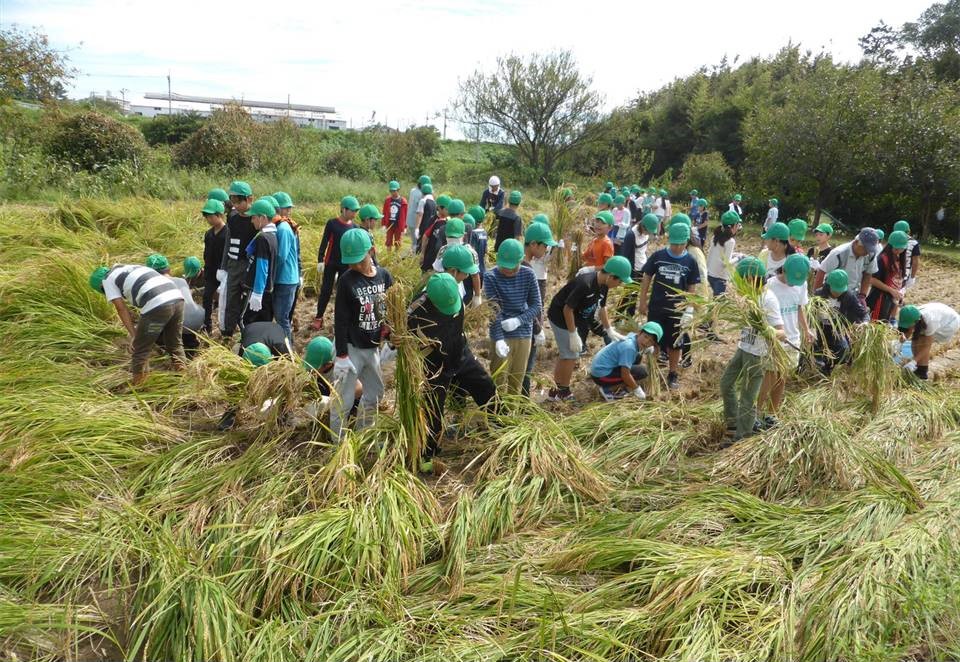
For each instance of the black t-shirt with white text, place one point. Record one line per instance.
(360, 309)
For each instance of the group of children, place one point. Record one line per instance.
(252, 259)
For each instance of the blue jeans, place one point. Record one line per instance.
(283, 298)
(717, 285)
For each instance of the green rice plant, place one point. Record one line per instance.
(576, 243)
(872, 365)
(44, 631)
(342, 474)
(459, 534)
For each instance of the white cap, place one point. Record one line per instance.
(494, 181)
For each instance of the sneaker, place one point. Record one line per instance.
(227, 420)
(559, 395)
(769, 422)
(610, 394)
(316, 324)
(673, 381)
(663, 359)
(686, 361)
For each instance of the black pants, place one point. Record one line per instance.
(832, 349)
(470, 378)
(236, 297)
(210, 285)
(265, 314)
(587, 324)
(330, 275)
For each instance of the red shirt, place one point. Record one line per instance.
(395, 212)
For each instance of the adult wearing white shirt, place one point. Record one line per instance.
(858, 258)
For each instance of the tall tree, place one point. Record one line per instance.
(936, 35)
(542, 104)
(30, 69)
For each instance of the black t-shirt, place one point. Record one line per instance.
(670, 273)
(509, 226)
(269, 333)
(437, 238)
(445, 354)
(360, 309)
(429, 214)
(394, 216)
(584, 293)
(241, 233)
(213, 243)
(821, 255)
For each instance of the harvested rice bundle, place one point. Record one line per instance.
(409, 378)
(275, 390)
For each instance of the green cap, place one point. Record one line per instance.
(284, 201)
(902, 226)
(218, 194)
(650, 222)
(653, 329)
(609, 185)
(455, 227)
(679, 233)
(619, 200)
(444, 293)
(838, 281)
(191, 266)
(317, 353)
(354, 245)
(240, 188)
(635, 189)
(394, 185)
(460, 258)
(909, 315)
(702, 202)
(625, 189)
(262, 207)
(158, 262)
(682, 219)
(751, 267)
(605, 199)
(478, 213)
(426, 188)
(369, 211)
(796, 268)
(604, 216)
(618, 266)
(663, 193)
(798, 229)
(694, 192)
(456, 207)
(898, 239)
(258, 354)
(272, 200)
(510, 254)
(737, 197)
(96, 278)
(541, 218)
(349, 202)
(777, 231)
(567, 193)
(880, 234)
(774, 201)
(824, 228)
(729, 217)
(652, 190)
(515, 198)
(443, 200)
(539, 233)
(212, 206)
(423, 179)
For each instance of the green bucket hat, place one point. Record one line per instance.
(212, 206)
(191, 266)
(456, 207)
(773, 201)
(880, 234)
(777, 231)
(694, 193)
(898, 239)
(455, 227)
(635, 189)
(824, 228)
(541, 218)
(619, 200)
(240, 188)
(618, 266)
(650, 223)
(317, 353)
(679, 233)
(459, 258)
(354, 245)
(751, 267)
(902, 226)
(444, 293)
(729, 218)
(909, 315)
(654, 330)
(218, 194)
(158, 262)
(284, 201)
(838, 281)
(605, 199)
(515, 198)
(609, 185)
(604, 216)
(796, 268)
(349, 202)
(663, 193)
(798, 229)
(702, 202)
(539, 233)
(258, 354)
(394, 185)
(369, 211)
(96, 278)
(262, 207)
(510, 254)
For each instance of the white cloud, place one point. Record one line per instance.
(402, 58)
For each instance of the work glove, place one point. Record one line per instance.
(416, 234)
(910, 283)
(640, 393)
(503, 349)
(301, 282)
(221, 276)
(510, 324)
(911, 366)
(903, 292)
(387, 353)
(576, 345)
(256, 302)
(540, 339)
(320, 268)
(342, 367)
(476, 301)
(814, 265)
(613, 334)
(648, 350)
(686, 319)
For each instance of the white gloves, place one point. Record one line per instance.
(476, 301)
(576, 345)
(320, 268)
(613, 334)
(910, 283)
(503, 349)
(510, 324)
(540, 339)
(256, 302)
(814, 264)
(416, 234)
(301, 281)
(639, 393)
(687, 318)
(221, 276)
(342, 367)
(903, 292)
(648, 350)
(910, 366)
(387, 353)
(560, 244)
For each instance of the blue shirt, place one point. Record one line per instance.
(616, 355)
(517, 296)
(288, 256)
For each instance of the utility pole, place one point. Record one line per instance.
(169, 95)
(444, 123)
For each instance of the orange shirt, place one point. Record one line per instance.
(598, 252)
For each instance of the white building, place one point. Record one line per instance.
(321, 117)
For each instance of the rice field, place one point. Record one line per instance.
(131, 528)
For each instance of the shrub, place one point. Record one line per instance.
(228, 141)
(347, 163)
(171, 129)
(92, 141)
(709, 174)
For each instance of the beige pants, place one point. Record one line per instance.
(510, 378)
(164, 322)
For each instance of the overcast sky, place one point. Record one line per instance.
(402, 58)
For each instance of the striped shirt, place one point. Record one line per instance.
(514, 296)
(140, 286)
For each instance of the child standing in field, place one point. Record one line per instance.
(912, 254)
(537, 241)
(777, 250)
(288, 266)
(600, 248)
(233, 269)
(394, 216)
(832, 344)
(817, 254)
(701, 222)
(212, 257)
(621, 221)
(773, 213)
(886, 286)
(261, 264)
(720, 257)
(509, 223)
(329, 261)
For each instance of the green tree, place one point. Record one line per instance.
(542, 104)
(30, 69)
(171, 129)
(709, 174)
(936, 35)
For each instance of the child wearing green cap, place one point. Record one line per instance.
(329, 262)
(912, 253)
(924, 325)
(773, 213)
(701, 222)
(886, 285)
(832, 345)
(817, 254)
(233, 267)
(213, 238)
(454, 232)
(509, 223)
(537, 241)
(616, 369)
(512, 290)
(261, 277)
(437, 314)
(192, 313)
(720, 256)
(426, 214)
(735, 206)
(360, 328)
(621, 221)
(778, 248)
(600, 248)
(394, 216)
(746, 367)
